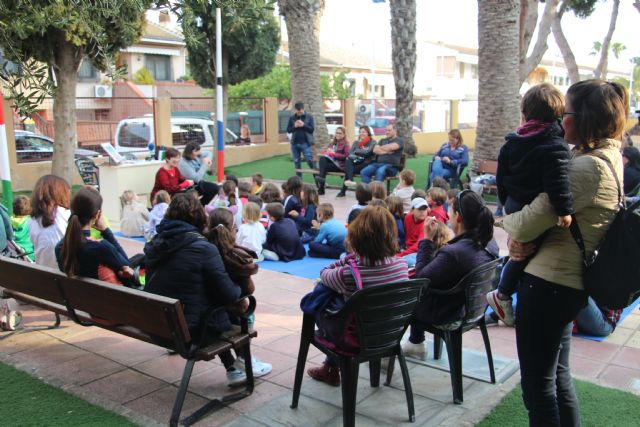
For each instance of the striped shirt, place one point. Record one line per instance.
(338, 275)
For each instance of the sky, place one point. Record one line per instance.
(365, 25)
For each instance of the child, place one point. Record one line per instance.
(20, 223)
(405, 189)
(436, 198)
(227, 198)
(270, 194)
(252, 233)
(534, 159)
(283, 242)
(329, 243)
(160, 205)
(418, 193)
(363, 196)
(135, 215)
(244, 190)
(292, 195)
(378, 190)
(304, 220)
(414, 229)
(396, 207)
(256, 184)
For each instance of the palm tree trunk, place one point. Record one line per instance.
(563, 45)
(498, 92)
(302, 18)
(601, 69)
(403, 53)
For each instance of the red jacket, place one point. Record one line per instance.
(414, 232)
(440, 214)
(170, 181)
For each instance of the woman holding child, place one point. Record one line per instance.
(550, 292)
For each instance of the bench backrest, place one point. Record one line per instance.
(489, 167)
(158, 317)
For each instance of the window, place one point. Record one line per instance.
(87, 71)
(182, 134)
(379, 91)
(159, 66)
(7, 66)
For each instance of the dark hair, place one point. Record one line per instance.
(363, 193)
(50, 192)
(310, 196)
(170, 153)
(270, 193)
(84, 206)
(221, 229)
(189, 149)
(257, 178)
(418, 193)
(631, 153)
(352, 215)
(244, 189)
(366, 128)
(293, 186)
(185, 207)
(21, 206)
(395, 206)
(440, 182)
(542, 102)
(231, 177)
(298, 105)
(276, 210)
(476, 216)
(600, 109)
(229, 188)
(378, 190)
(373, 235)
(255, 199)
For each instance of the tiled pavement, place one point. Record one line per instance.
(140, 380)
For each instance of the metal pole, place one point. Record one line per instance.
(5, 172)
(219, 95)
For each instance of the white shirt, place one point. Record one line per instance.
(45, 239)
(252, 236)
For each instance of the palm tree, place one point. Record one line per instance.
(601, 68)
(498, 72)
(403, 53)
(302, 18)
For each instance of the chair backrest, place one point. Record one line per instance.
(476, 284)
(88, 171)
(383, 312)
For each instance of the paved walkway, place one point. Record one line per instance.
(140, 380)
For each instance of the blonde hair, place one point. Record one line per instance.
(438, 195)
(457, 135)
(162, 197)
(442, 236)
(128, 197)
(326, 210)
(251, 213)
(395, 206)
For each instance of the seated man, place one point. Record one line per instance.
(388, 156)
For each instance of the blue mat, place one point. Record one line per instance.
(137, 239)
(307, 267)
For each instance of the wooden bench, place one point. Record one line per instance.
(489, 167)
(141, 315)
(388, 179)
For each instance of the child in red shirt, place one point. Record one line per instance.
(414, 229)
(437, 197)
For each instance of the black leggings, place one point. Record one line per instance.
(326, 165)
(350, 169)
(208, 190)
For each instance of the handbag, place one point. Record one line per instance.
(611, 275)
(355, 159)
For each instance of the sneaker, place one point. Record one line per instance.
(236, 377)
(417, 351)
(259, 368)
(503, 308)
(350, 184)
(342, 193)
(326, 374)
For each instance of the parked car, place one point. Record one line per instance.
(379, 124)
(336, 119)
(31, 147)
(136, 134)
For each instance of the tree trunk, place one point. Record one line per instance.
(529, 64)
(67, 59)
(403, 53)
(498, 90)
(563, 45)
(302, 18)
(601, 70)
(528, 21)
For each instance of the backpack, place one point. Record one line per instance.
(612, 275)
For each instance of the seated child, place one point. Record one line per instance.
(414, 229)
(20, 223)
(256, 184)
(378, 190)
(244, 190)
(270, 194)
(534, 160)
(363, 196)
(292, 195)
(396, 206)
(252, 233)
(227, 198)
(304, 220)
(283, 242)
(418, 193)
(329, 243)
(405, 189)
(160, 206)
(436, 198)
(134, 217)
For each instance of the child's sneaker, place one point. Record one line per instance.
(350, 184)
(259, 368)
(501, 307)
(417, 351)
(236, 377)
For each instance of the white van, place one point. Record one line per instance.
(136, 134)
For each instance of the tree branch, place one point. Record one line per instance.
(544, 28)
(601, 69)
(563, 44)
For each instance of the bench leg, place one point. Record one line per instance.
(182, 392)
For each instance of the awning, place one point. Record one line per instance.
(153, 50)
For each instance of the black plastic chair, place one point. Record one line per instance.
(456, 179)
(475, 285)
(382, 314)
(88, 171)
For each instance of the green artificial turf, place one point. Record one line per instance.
(599, 406)
(27, 401)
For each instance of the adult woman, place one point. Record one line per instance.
(449, 156)
(168, 177)
(333, 157)
(245, 136)
(372, 242)
(551, 293)
(78, 254)
(473, 245)
(631, 162)
(360, 156)
(194, 164)
(50, 212)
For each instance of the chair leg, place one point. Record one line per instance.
(182, 392)
(437, 346)
(453, 340)
(390, 367)
(305, 340)
(487, 347)
(407, 387)
(349, 367)
(374, 372)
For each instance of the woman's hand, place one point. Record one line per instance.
(430, 227)
(126, 272)
(446, 160)
(437, 158)
(294, 214)
(98, 223)
(519, 251)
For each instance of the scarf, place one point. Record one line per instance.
(532, 127)
(364, 141)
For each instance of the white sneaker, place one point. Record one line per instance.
(503, 308)
(350, 183)
(259, 368)
(236, 377)
(417, 351)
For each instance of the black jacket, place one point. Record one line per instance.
(182, 264)
(283, 239)
(631, 179)
(304, 133)
(530, 165)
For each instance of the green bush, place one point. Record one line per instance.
(143, 77)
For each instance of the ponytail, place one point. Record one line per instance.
(221, 231)
(476, 216)
(73, 240)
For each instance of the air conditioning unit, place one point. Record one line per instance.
(364, 108)
(103, 91)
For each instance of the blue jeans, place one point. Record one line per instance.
(438, 169)
(297, 150)
(591, 321)
(380, 170)
(411, 259)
